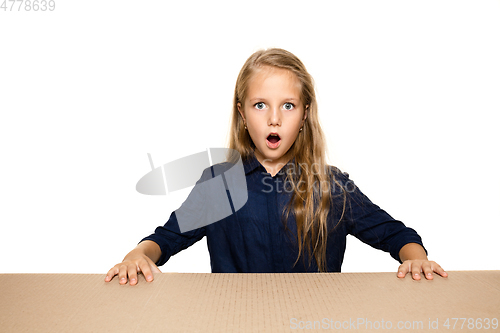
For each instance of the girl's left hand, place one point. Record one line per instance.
(419, 266)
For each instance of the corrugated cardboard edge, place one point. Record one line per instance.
(216, 302)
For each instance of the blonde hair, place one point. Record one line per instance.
(311, 206)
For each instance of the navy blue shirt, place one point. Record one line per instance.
(255, 240)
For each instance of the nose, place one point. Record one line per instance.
(274, 117)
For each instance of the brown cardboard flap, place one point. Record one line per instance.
(187, 302)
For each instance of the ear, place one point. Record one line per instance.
(240, 111)
(305, 114)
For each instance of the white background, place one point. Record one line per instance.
(408, 97)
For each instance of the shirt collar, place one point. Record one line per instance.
(252, 163)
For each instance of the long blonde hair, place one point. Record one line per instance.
(311, 201)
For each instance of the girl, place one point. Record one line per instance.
(299, 210)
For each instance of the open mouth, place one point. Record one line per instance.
(273, 140)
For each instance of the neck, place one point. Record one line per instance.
(273, 166)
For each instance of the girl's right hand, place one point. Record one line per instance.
(135, 262)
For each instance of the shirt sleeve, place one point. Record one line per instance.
(372, 225)
(169, 237)
(171, 240)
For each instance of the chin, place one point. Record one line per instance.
(272, 155)
(275, 157)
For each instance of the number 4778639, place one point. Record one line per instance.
(28, 5)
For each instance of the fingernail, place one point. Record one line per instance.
(149, 277)
(400, 273)
(429, 274)
(132, 280)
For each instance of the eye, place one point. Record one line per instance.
(259, 105)
(288, 106)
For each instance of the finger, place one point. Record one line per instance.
(403, 269)
(438, 269)
(153, 266)
(146, 270)
(111, 273)
(122, 274)
(416, 267)
(132, 273)
(427, 270)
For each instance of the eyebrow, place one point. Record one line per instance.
(285, 99)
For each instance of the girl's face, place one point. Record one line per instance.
(273, 114)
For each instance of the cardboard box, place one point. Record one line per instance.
(186, 302)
